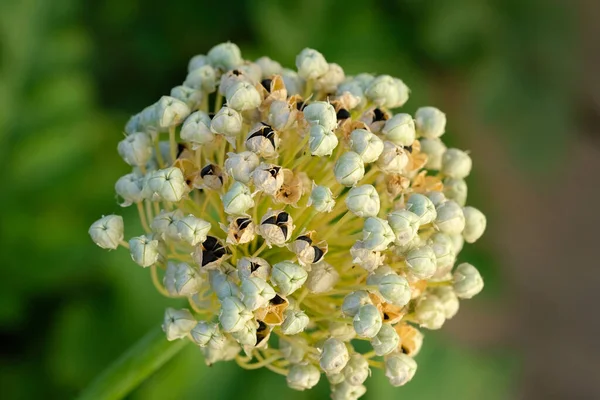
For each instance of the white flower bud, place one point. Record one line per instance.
(404, 224)
(192, 230)
(423, 207)
(402, 92)
(377, 234)
(421, 262)
(182, 280)
(363, 201)
(144, 251)
(385, 91)
(241, 165)
(456, 164)
(202, 78)
(197, 61)
(395, 289)
(129, 187)
(430, 312)
(233, 314)
(263, 140)
(171, 111)
(386, 341)
(456, 189)
(437, 198)
(349, 169)
(237, 200)
(329, 81)
(357, 370)
(227, 122)
(252, 71)
(353, 301)
(210, 253)
(222, 284)
(288, 277)
(225, 56)
(475, 223)
(276, 228)
(241, 230)
(375, 277)
(165, 224)
(293, 349)
(366, 144)
(353, 91)
(207, 332)
(256, 292)
(448, 299)
(136, 149)
(321, 113)
(400, 369)
(212, 177)
(281, 116)
(400, 130)
(268, 67)
(334, 356)
(191, 97)
(345, 391)
(303, 376)
(393, 158)
(243, 96)
(435, 149)
(450, 218)
(295, 321)
(169, 184)
(177, 323)
(322, 142)
(293, 83)
(322, 278)
(366, 258)
(107, 232)
(342, 331)
(458, 242)
(430, 122)
(367, 321)
(268, 178)
(467, 281)
(253, 266)
(196, 130)
(311, 64)
(321, 198)
(220, 352)
(247, 335)
(445, 256)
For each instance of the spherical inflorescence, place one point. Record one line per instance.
(298, 215)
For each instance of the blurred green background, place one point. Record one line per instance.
(71, 72)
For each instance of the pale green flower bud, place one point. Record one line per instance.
(321, 198)
(322, 142)
(129, 188)
(197, 61)
(241, 165)
(430, 122)
(374, 278)
(136, 149)
(321, 113)
(247, 335)
(268, 178)
(364, 79)
(456, 189)
(404, 224)
(400, 130)
(367, 321)
(192, 230)
(233, 314)
(165, 224)
(349, 169)
(225, 56)
(171, 111)
(203, 78)
(191, 97)
(383, 91)
(366, 144)
(335, 379)
(448, 299)
(263, 140)
(237, 200)
(346, 391)
(342, 331)
(475, 223)
(435, 149)
(206, 332)
(322, 278)
(295, 322)
(450, 218)
(351, 89)
(107, 232)
(423, 207)
(363, 201)
(311, 64)
(196, 130)
(377, 234)
(293, 349)
(467, 281)
(280, 115)
(430, 312)
(288, 277)
(222, 284)
(366, 258)
(456, 164)
(182, 280)
(334, 356)
(252, 71)
(169, 184)
(227, 122)
(253, 266)
(395, 289)
(293, 83)
(144, 251)
(178, 323)
(421, 262)
(400, 369)
(268, 67)
(329, 81)
(458, 242)
(303, 376)
(357, 370)
(220, 352)
(445, 255)
(243, 96)
(402, 92)
(256, 293)
(353, 302)
(386, 341)
(437, 198)
(393, 159)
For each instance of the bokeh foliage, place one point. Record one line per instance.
(72, 71)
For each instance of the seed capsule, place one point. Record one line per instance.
(263, 141)
(367, 145)
(143, 250)
(276, 227)
(363, 201)
(237, 200)
(253, 266)
(177, 323)
(196, 130)
(210, 253)
(288, 277)
(240, 166)
(349, 169)
(107, 232)
(212, 177)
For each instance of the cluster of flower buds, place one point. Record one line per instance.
(298, 215)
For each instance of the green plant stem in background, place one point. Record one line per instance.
(133, 367)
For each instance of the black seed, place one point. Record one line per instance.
(385, 316)
(305, 238)
(261, 326)
(274, 171)
(403, 349)
(211, 243)
(379, 115)
(318, 254)
(208, 257)
(254, 266)
(180, 148)
(243, 223)
(277, 300)
(266, 84)
(299, 105)
(343, 114)
(271, 220)
(408, 148)
(211, 115)
(283, 218)
(284, 230)
(208, 170)
(236, 72)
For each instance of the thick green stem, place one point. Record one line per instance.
(133, 367)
